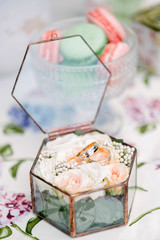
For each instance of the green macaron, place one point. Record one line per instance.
(75, 51)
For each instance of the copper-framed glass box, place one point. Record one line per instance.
(146, 26)
(69, 96)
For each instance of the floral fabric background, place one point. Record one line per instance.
(20, 140)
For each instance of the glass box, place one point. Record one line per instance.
(69, 101)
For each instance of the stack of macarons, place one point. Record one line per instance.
(103, 33)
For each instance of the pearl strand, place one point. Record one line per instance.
(46, 154)
(125, 153)
(62, 166)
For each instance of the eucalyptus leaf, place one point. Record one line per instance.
(12, 128)
(6, 150)
(51, 207)
(79, 132)
(14, 169)
(32, 223)
(105, 210)
(64, 215)
(118, 140)
(119, 210)
(84, 214)
(5, 232)
(108, 210)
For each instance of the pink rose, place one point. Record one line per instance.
(116, 173)
(74, 180)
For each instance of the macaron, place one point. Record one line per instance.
(76, 52)
(113, 51)
(49, 51)
(105, 20)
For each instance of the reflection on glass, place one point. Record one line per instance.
(132, 183)
(56, 76)
(51, 204)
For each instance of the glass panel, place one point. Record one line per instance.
(132, 183)
(59, 84)
(101, 209)
(51, 204)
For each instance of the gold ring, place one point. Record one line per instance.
(88, 150)
(104, 159)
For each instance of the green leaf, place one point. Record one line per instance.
(108, 210)
(6, 150)
(5, 232)
(52, 206)
(146, 127)
(118, 140)
(84, 214)
(14, 169)
(138, 188)
(140, 164)
(24, 233)
(143, 214)
(64, 215)
(12, 128)
(32, 223)
(147, 78)
(79, 132)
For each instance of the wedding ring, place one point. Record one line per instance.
(88, 150)
(103, 160)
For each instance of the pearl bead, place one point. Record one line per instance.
(68, 165)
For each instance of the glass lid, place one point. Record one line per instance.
(61, 83)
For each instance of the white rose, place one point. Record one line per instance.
(95, 171)
(47, 169)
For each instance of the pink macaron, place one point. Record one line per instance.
(104, 19)
(113, 51)
(50, 50)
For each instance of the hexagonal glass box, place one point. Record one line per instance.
(57, 89)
